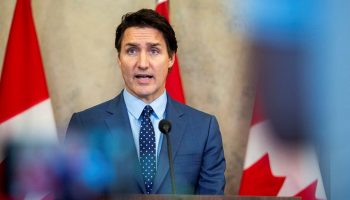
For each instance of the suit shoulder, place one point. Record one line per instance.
(100, 106)
(191, 110)
(99, 109)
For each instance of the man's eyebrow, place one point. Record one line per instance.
(137, 45)
(131, 44)
(153, 44)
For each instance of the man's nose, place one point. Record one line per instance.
(143, 60)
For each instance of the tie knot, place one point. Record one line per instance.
(147, 111)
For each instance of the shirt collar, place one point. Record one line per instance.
(135, 105)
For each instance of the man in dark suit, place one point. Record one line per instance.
(146, 47)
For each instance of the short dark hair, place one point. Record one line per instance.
(147, 18)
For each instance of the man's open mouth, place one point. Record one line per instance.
(143, 76)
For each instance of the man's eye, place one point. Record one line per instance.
(131, 51)
(154, 51)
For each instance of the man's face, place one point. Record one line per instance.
(144, 62)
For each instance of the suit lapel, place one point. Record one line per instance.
(175, 116)
(119, 126)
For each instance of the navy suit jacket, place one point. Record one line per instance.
(197, 149)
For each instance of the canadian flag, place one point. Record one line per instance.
(25, 107)
(273, 168)
(173, 83)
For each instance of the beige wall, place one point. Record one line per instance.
(76, 39)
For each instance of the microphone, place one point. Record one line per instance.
(165, 127)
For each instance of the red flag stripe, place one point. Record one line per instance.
(163, 9)
(22, 83)
(174, 83)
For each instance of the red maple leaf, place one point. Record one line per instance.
(259, 180)
(309, 192)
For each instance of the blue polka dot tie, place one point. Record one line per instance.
(147, 149)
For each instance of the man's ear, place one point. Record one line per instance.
(118, 60)
(171, 60)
